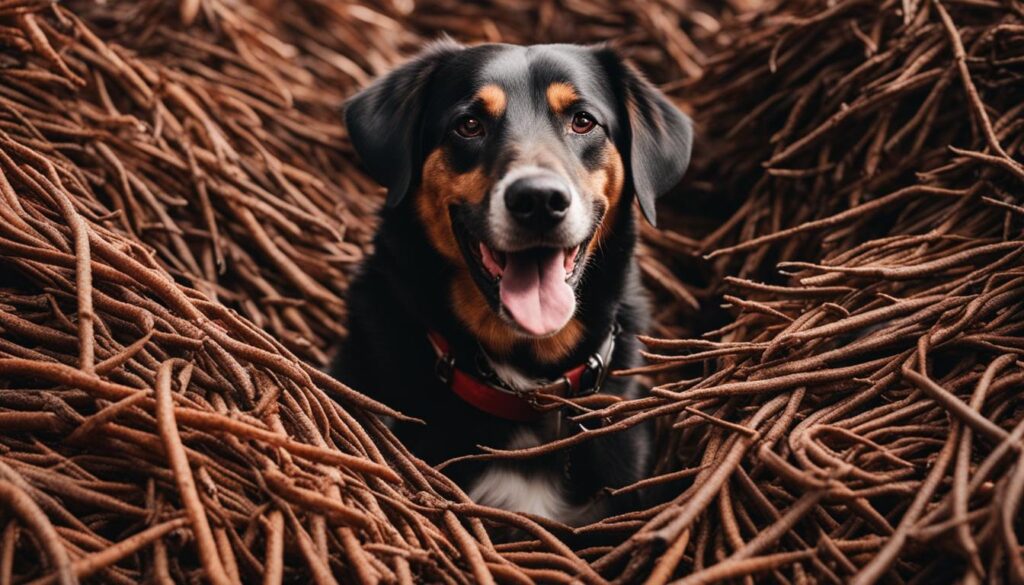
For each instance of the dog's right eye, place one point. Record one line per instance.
(469, 127)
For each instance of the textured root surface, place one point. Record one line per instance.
(836, 363)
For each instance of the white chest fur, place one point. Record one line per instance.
(529, 490)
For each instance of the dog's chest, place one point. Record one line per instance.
(521, 488)
(530, 489)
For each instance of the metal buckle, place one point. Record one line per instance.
(597, 370)
(602, 374)
(444, 367)
(595, 375)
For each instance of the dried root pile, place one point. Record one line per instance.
(872, 268)
(179, 218)
(180, 214)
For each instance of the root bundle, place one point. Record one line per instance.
(835, 368)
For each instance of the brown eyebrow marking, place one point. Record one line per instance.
(561, 95)
(493, 99)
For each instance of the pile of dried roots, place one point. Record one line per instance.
(836, 362)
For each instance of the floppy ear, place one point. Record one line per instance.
(656, 136)
(384, 120)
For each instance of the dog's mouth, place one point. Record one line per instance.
(535, 288)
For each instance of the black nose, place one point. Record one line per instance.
(539, 202)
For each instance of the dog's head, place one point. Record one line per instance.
(516, 160)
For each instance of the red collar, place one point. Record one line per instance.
(500, 400)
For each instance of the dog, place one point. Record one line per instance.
(503, 267)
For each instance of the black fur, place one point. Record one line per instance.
(403, 288)
(660, 137)
(383, 121)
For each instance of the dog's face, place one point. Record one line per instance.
(516, 160)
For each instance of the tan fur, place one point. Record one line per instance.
(470, 306)
(555, 347)
(606, 184)
(560, 96)
(493, 99)
(440, 188)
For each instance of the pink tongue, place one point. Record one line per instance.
(534, 291)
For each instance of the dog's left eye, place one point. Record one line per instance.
(469, 127)
(583, 123)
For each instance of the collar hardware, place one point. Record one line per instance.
(444, 367)
(594, 374)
